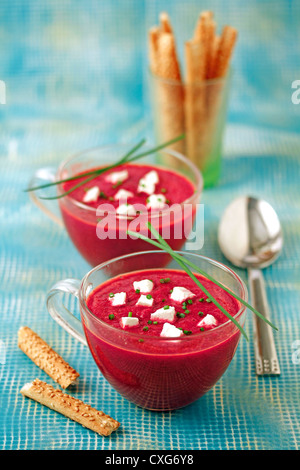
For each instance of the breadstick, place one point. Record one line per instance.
(165, 23)
(46, 358)
(226, 45)
(153, 49)
(70, 407)
(169, 92)
(195, 100)
(204, 32)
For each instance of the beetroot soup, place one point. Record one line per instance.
(168, 343)
(128, 194)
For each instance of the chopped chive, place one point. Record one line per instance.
(200, 313)
(201, 329)
(149, 296)
(155, 322)
(162, 281)
(190, 301)
(166, 307)
(167, 279)
(149, 322)
(187, 311)
(170, 291)
(180, 315)
(187, 332)
(163, 190)
(141, 340)
(137, 291)
(208, 301)
(163, 300)
(111, 316)
(111, 295)
(130, 314)
(146, 328)
(201, 300)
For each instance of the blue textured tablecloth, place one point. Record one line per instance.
(75, 75)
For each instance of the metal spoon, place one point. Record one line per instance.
(250, 237)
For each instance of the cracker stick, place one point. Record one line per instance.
(204, 32)
(165, 23)
(153, 49)
(169, 92)
(195, 100)
(46, 358)
(70, 407)
(226, 45)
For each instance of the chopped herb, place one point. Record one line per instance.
(184, 307)
(111, 198)
(166, 307)
(118, 183)
(102, 195)
(146, 328)
(111, 316)
(201, 300)
(130, 314)
(187, 332)
(208, 301)
(155, 322)
(137, 291)
(201, 329)
(149, 322)
(170, 291)
(163, 190)
(180, 315)
(149, 296)
(167, 201)
(111, 295)
(163, 300)
(162, 281)
(200, 313)
(141, 340)
(187, 311)
(167, 279)
(190, 301)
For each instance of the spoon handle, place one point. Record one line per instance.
(265, 351)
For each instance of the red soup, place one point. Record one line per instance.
(168, 344)
(98, 214)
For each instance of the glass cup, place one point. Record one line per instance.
(82, 221)
(197, 110)
(158, 373)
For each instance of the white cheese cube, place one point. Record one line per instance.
(167, 314)
(143, 301)
(123, 194)
(117, 177)
(170, 331)
(180, 294)
(126, 209)
(92, 194)
(208, 320)
(148, 182)
(156, 201)
(118, 299)
(129, 321)
(145, 286)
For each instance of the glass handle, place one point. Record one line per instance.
(60, 313)
(43, 176)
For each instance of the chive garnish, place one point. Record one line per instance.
(111, 316)
(149, 296)
(90, 175)
(166, 307)
(155, 323)
(146, 328)
(130, 314)
(185, 263)
(111, 295)
(190, 301)
(137, 291)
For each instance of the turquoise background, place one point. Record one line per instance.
(76, 77)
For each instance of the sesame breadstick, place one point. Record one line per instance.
(70, 407)
(46, 358)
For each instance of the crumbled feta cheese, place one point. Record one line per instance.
(148, 182)
(117, 177)
(170, 331)
(92, 194)
(123, 194)
(144, 301)
(129, 321)
(180, 294)
(118, 299)
(126, 209)
(156, 201)
(208, 320)
(164, 314)
(145, 286)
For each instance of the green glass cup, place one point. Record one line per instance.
(199, 111)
